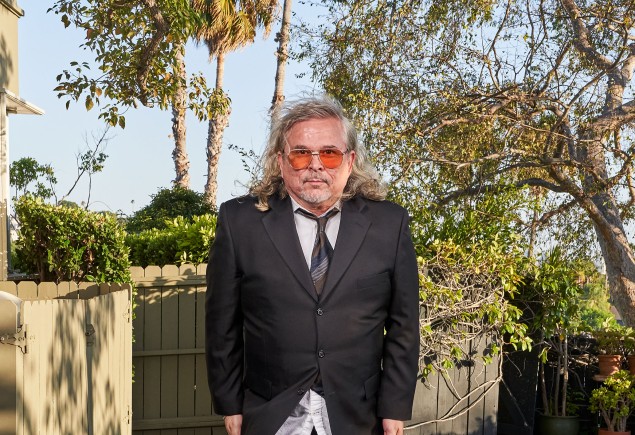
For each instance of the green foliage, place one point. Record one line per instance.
(166, 205)
(553, 293)
(152, 247)
(181, 241)
(595, 308)
(26, 171)
(205, 102)
(610, 339)
(550, 301)
(69, 243)
(629, 342)
(136, 49)
(472, 263)
(615, 400)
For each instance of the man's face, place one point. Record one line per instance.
(316, 187)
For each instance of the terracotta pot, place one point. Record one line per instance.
(609, 364)
(631, 364)
(607, 432)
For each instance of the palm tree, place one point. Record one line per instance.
(282, 54)
(231, 24)
(179, 106)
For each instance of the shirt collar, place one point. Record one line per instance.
(296, 206)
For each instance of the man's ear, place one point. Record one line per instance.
(352, 160)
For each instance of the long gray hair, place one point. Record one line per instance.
(364, 179)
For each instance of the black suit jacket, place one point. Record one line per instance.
(267, 334)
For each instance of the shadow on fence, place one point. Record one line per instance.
(71, 372)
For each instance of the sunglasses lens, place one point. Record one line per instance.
(331, 158)
(301, 159)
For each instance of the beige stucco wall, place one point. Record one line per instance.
(9, 14)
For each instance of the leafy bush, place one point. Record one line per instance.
(182, 240)
(615, 400)
(471, 262)
(166, 205)
(63, 243)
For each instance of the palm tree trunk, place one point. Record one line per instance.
(179, 154)
(217, 124)
(282, 54)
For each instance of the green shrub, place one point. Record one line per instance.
(62, 243)
(167, 204)
(615, 400)
(471, 261)
(182, 240)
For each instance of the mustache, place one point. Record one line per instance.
(315, 176)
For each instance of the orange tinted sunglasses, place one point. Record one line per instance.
(331, 158)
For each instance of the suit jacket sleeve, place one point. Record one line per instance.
(223, 322)
(401, 343)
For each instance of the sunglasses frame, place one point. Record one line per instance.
(317, 153)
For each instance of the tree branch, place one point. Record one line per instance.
(150, 51)
(582, 37)
(494, 188)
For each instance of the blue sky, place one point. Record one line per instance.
(139, 161)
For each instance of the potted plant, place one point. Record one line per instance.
(611, 348)
(615, 400)
(552, 292)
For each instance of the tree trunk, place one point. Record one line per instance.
(217, 125)
(602, 208)
(618, 257)
(556, 378)
(179, 154)
(565, 373)
(282, 54)
(541, 377)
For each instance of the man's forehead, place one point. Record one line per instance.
(300, 128)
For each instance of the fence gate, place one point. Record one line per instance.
(65, 359)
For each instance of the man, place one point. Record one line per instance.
(312, 319)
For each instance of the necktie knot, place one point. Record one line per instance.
(322, 220)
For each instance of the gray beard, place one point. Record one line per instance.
(315, 197)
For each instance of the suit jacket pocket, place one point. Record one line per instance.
(258, 385)
(371, 385)
(380, 280)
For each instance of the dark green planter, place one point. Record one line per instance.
(550, 425)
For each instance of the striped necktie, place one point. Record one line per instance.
(322, 249)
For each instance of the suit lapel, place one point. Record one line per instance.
(353, 228)
(280, 227)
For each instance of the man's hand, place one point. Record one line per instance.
(392, 427)
(233, 424)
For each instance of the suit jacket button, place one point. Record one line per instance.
(319, 311)
(301, 391)
(321, 353)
